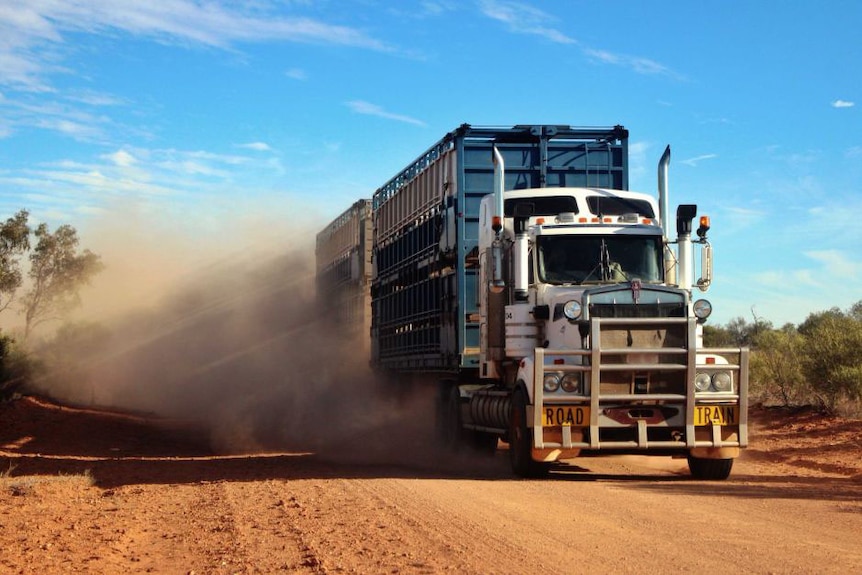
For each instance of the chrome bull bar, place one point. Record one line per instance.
(591, 363)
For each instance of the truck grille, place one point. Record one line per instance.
(641, 334)
(645, 310)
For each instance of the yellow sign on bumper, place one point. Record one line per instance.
(565, 416)
(716, 415)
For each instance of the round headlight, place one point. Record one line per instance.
(571, 383)
(551, 382)
(702, 382)
(722, 381)
(572, 309)
(702, 309)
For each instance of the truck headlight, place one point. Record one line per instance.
(702, 309)
(551, 382)
(571, 383)
(572, 309)
(722, 381)
(702, 381)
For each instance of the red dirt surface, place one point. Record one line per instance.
(88, 491)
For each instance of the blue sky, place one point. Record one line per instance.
(194, 114)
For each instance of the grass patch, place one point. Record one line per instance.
(26, 485)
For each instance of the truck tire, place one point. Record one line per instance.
(521, 440)
(710, 469)
(449, 430)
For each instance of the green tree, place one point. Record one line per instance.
(737, 332)
(776, 372)
(14, 242)
(57, 271)
(717, 336)
(832, 361)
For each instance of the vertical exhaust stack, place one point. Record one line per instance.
(499, 187)
(663, 192)
(497, 280)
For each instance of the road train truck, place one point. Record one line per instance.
(513, 268)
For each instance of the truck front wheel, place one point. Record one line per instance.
(521, 440)
(711, 469)
(449, 430)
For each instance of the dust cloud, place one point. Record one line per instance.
(228, 334)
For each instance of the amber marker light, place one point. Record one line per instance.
(704, 227)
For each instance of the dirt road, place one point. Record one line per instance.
(86, 492)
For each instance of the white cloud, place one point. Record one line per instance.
(639, 64)
(139, 175)
(843, 104)
(524, 19)
(256, 146)
(738, 219)
(121, 158)
(780, 280)
(296, 74)
(74, 121)
(369, 109)
(693, 162)
(33, 32)
(827, 269)
(93, 98)
(835, 264)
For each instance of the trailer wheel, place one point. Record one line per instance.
(710, 469)
(521, 440)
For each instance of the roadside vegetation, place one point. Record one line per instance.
(816, 363)
(41, 275)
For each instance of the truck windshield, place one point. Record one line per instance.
(599, 259)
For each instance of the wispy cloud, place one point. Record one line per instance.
(524, 19)
(741, 218)
(780, 279)
(72, 117)
(693, 162)
(32, 31)
(843, 104)
(256, 146)
(369, 109)
(836, 264)
(638, 64)
(296, 74)
(121, 158)
(823, 267)
(133, 174)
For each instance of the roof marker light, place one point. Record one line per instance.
(704, 227)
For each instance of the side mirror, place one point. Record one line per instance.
(705, 279)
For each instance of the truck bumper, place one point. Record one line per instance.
(672, 422)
